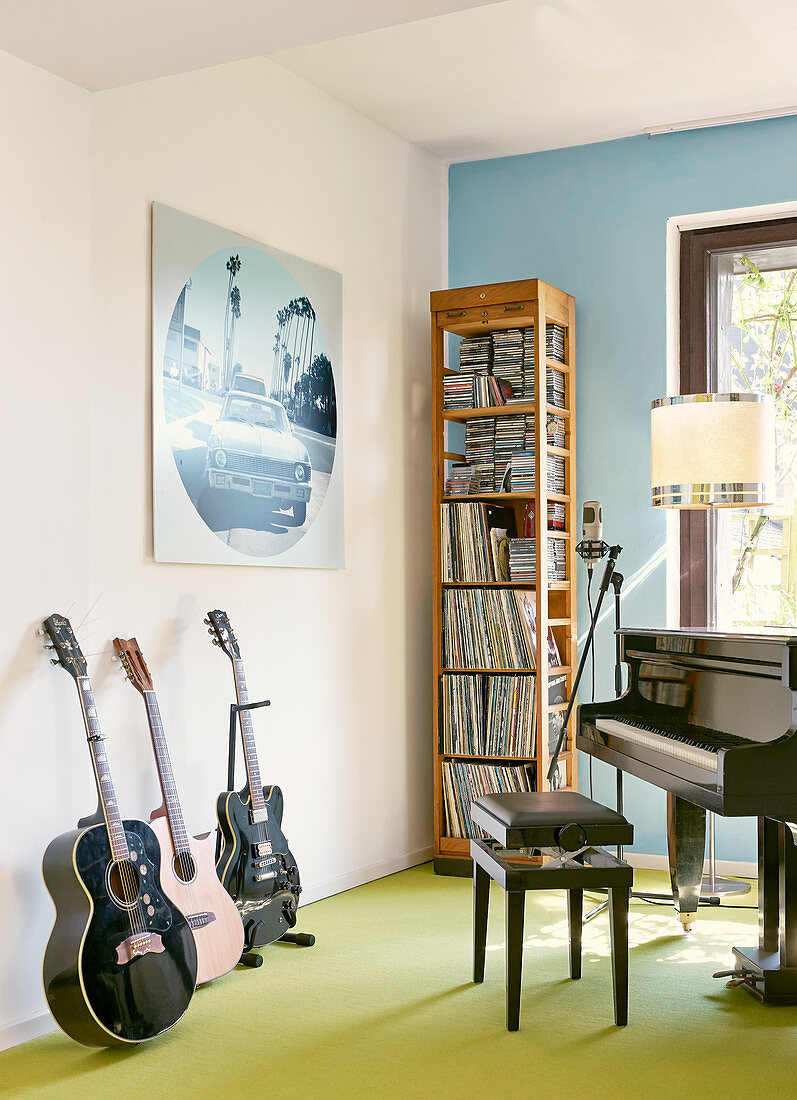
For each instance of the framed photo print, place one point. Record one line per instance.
(246, 386)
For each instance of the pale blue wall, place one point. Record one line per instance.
(592, 220)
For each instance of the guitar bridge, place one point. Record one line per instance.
(141, 944)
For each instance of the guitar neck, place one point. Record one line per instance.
(248, 737)
(171, 799)
(102, 771)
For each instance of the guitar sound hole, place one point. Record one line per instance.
(123, 883)
(184, 866)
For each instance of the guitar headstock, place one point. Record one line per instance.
(67, 652)
(132, 659)
(219, 628)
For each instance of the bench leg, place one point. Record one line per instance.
(618, 923)
(481, 902)
(515, 903)
(575, 920)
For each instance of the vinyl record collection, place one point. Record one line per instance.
(488, 628)
(474, 542)
(489, 715)
(463, 782)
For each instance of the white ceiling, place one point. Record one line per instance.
(538, 74)
(465, 79)
(101, 44)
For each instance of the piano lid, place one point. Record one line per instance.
(735, 683)
(769, 634)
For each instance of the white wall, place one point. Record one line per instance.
(343, 655)
(45, 288)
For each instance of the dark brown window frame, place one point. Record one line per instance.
(697, 247)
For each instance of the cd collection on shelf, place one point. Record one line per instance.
(463, 782)
(499, 368)
(486, 715)
(523, 559)
(488, 628)
(557, 516)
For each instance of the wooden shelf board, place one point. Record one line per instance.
(497, 671)
(554, 364)
(563, 451)
(526, 409)
(558, 670)
(559, 622)
(528, 585)
(476, 756)
(554, 410)
(554, 708)
(449, 370)
(561, 497)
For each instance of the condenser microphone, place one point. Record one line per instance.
(592, 521)
(592, 547)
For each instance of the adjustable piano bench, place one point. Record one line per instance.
(568, 831)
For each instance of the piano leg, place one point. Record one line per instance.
(686, 843)
(769, 971)
(768, 884)
(788, 895)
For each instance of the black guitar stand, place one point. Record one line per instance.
(300, 939)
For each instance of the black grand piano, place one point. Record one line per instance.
(712, 719)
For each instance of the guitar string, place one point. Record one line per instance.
(125, 875)
(182, 858)
(262, 833)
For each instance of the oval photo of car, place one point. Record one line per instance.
(249, 399)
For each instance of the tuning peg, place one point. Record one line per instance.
(40, 632)
(54, 661)
(206, 622)
(48, 647)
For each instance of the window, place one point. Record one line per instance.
(739, 332)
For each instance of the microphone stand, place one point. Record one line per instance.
(614, 553)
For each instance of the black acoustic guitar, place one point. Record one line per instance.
(120, 964)
(255, 864)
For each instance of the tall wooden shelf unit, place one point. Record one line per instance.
(474, 311)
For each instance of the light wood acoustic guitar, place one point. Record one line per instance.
(188, 865)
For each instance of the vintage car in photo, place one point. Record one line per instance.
(252, 449)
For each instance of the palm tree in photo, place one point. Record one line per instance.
(233, 267)
(235, 309)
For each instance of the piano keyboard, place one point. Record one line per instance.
(673, 744)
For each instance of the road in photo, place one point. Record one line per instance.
(252, 525)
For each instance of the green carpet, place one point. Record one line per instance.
(383, 1006)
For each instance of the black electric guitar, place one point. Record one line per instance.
(255, 864)
(120, 964)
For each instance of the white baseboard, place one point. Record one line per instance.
(735, 868)
(22, 1031)
(315, 891)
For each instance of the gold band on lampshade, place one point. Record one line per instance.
(713, 450)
